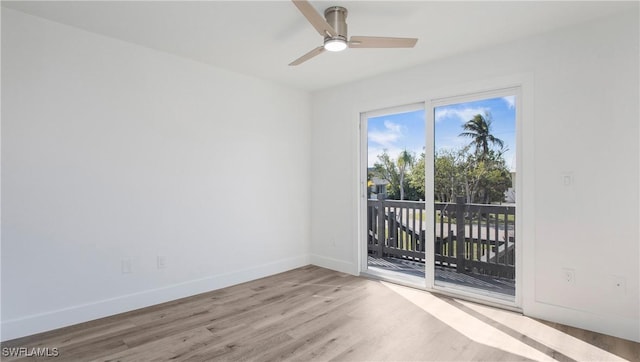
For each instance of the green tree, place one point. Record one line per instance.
(416, 189)
(474, 170)
(464, 173)
(405, 163)
(396, 172)
(497, 179)
(479, 130)
(449, 170)
(386, 169)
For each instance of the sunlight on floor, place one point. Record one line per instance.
(474, 328)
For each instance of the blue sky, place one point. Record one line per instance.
(407, 130)
(396, 133)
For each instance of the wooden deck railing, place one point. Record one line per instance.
(468, 237)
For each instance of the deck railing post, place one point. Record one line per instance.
(392, 230)
(460, 237)
(381, 226)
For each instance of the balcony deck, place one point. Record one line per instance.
(493, 285)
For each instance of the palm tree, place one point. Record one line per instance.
(479, 129)
(405, 160)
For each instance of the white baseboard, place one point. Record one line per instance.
(42, 322)
(612, 325)
(334, 264)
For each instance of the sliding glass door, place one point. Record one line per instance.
(473, 190)
(438, 191)
(394, 193)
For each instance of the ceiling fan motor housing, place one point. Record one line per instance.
(336, 17)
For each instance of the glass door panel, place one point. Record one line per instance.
(395, 189)
(474, 196)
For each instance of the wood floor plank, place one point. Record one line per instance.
(79, 336)
(168, 348)
(315, 314)
(333, 337)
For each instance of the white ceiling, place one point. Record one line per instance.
(261, 38)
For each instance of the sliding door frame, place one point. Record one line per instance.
(525, 179)
(363, 165)
(431, 106)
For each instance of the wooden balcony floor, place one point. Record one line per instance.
(484, 283)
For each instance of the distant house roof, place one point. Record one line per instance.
(375, 179)
(379, 181)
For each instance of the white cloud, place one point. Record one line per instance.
(388, 137)
(394, 153)
(510, 100)
(392, 138)
(452, 142)
(373, 152)
(464, 114)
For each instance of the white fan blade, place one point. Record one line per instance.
(381, 42)
(314, 18)
(317, 51)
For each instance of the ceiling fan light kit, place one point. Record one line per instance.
(333, 27)
(336, 17)
(335, 45)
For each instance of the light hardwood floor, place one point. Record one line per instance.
(313, 313)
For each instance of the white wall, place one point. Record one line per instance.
(113, 151)
(583, 119)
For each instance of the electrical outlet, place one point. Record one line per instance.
(569, 276)
(161, 262)
(126, 266)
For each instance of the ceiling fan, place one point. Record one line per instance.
(333, 28)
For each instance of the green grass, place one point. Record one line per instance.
(492, 219)
(484, 249)
(475, 220)
(448, 249)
